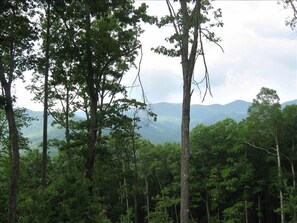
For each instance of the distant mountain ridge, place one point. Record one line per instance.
(167, 126)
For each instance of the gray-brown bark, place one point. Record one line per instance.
(188, 64)
(259, 209)
(147, 199)
(207, 206)
(13, 142)
(135, 187)
(93, 97)
(185, 154)
(45, 108)
(281, 196)
(293, 180)
(14, 175)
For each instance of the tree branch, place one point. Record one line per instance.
(173, 15)
(261, 148)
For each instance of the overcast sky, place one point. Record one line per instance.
(259, 51)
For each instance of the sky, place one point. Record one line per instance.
(259, 51)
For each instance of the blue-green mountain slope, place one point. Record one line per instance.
(167, 126)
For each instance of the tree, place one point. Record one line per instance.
(159, 166)
(16, 38)
(264, 119)
(45, 103)
(292, 5)
(290, 139)
(188, 24)
(54, 82)
(21, 120)
(220, 173)
(103, 37)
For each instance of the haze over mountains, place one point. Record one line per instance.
(167, 126)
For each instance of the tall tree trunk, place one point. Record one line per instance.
(14, 175)
(188, 60)
(13, 140)
(246, 197)
(45, 108)
(259, 208)
(188, 24)
(176, 213)
(279, 168)
(293, 181)
(135, 178)
(294, 186)
(67, 127)
(185, 125)
(125, 184)
(93, 97)
(185, 130)
(246, 210)
(147, 199)
(207, 206)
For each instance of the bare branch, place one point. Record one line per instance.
(173, 15)
(294, 19)
(196, 11)
(261, 148)
(139, 78)
(206, 74)
(215, 42)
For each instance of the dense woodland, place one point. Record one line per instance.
(103, 171)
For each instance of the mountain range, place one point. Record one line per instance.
(167, 126)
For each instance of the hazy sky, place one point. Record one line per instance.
(259, 51)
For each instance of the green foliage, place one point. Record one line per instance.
(290, 203)
(234, 214)
(127, 217)
(224, 171)
(265, 115)
(131, 176)
(199, 15)
(65, 199)
(163, 202)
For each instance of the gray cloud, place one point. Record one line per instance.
(259, 51)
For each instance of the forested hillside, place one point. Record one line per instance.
(166, 128)
(98, 155)
(238, 171)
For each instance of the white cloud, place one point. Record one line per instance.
(259, 51)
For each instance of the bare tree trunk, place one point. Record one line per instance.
(188, 64)
(259, 209)
(294, 181)
(89, 166)
(67, 127)
(207, 206)
(176, 213)
(188, 52)
(125, 185)
(147, 199)
(14, 175)
(135, 178)
(246, 211)
(185, 132)
(45, 108)
(135, 204)
(13, 141)
(294, 186)
(281, 197)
